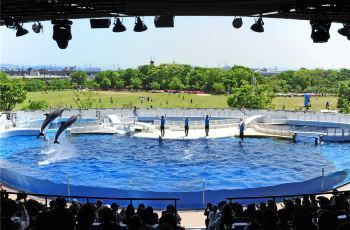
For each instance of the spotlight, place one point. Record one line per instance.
(37, 27)
(139, 25)
(345, 31)
(118, 26)
(320, 30)
(237, 22)
(163, 21)
(258, 26)
(62, 32)
(20, 31)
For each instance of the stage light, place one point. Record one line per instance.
(98, 23)
(237, 22)
(163, 21)
(20, 31)
(258, 26)
(320, 30)
(345, 31)
(37, 27)
(62, 32)
(139, 25)
(118, 26)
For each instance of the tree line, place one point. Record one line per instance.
(246, 87)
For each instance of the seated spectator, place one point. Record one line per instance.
(61, 216)
(116, 216)
(303, 219)
(171, 209)
(327, 220)
(106, 216)
(282, 223)
(8, 210)
(75, 207)
(134, 222)
(86, 216)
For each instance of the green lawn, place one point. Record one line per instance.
(162, 100)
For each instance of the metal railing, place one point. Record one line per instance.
(88, 198)
(276, 197)
(224, 123)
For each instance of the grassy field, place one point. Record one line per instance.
(102, 99)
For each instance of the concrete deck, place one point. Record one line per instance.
(196, 134)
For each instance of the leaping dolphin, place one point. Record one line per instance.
(49, 118)
(65, 125)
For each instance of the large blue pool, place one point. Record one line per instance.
(134, 164)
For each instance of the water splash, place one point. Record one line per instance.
(55, 153)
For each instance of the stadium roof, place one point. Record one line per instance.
(41, 10)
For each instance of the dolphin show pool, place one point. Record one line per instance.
(196, 171)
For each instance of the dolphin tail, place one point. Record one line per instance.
(56, 142)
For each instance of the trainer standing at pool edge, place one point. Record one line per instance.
(162, 124)
(206, 122)
(186, 126)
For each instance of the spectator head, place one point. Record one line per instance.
(86, 215)
(167, 221)
(324, 202)
(262, 206)
(253, 226)
(214, 208)
(8, 209)
(106, 214)
(171, 209)
(52, 204)
(328, 220)
(134, 222)
(272, 205)
(114, 206)
(99, 203)
(221, 204)
(297, 201)
(61, 202)
(130, 211)
(140, 207)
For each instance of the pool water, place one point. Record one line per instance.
(142, 164)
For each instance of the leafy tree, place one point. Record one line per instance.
(219, 88)
(136, 82)
(344, 98)
(176, 84)
(11, 93)
(251, 97)
(60, 84)
(105, 83)
(79, 78)
(40, 104)
(155, 85)
(34, 85)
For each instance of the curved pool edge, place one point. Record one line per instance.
(188, 200)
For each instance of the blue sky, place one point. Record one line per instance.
(200, 41)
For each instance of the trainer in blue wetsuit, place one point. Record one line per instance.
(206, 122)
(186, 126)
(162, 124)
